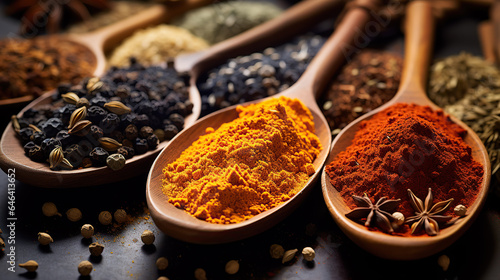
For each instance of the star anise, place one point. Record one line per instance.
(47, 15)
(427, 213)
(376, 214)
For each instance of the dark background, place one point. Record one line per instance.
(476, 255)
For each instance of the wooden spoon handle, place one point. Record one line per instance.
(293, 21)
(108, 37)
(419, 40)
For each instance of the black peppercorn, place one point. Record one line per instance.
(52, 126)
(74, 155)
(48, 145)
(96, 114)
(38, 137)
(110, 123)
(30, 113)
(98, 101)
(65, 138)
(28, 146)
(96, 133)
(145, 132)
(177, 120)
(170, 131)
(64, 113)
(153, 141)
(99, 156)
(126, 151)
(36, 154)
(141, 120)
(25, 134)
(117, 135)
(141, 146)
(131, 132)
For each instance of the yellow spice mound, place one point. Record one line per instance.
(247, 166)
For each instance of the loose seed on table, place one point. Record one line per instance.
(87, 231)
(96, 249)
(74, 214)
(200, 274)
(277, 251)
(289, 255)
(148, 237)
(85, 268)
(232, 267)
(105, 218)
(120, 216)
(308, 254)
(162, 263)
(49, 209)
(44, 238)
(30, 266)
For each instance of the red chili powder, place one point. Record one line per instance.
(408, 146)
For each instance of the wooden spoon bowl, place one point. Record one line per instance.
(419, 37)
(178, 223)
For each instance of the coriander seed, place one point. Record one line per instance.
(96, 249)
(30, 266)
(87, 231)
(460, 210)
(44, 238)
(105, 218)
(232, 267)
(148, 237)
(444, 262)
(277, 251)
(74, 214)
(116, 161)
(308, 254)
(85, 268)
(162, 263)
(289, 255)
(49, 209)
(120, 216)
(200, 274)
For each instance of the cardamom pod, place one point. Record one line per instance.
(94, 84)
(65, 164)
(34, 127)
(81, 128)
(117, 107)
(15, 123)
(289, 255)
(78, 115)
(70, 97)
(55, 157)
(109, 144)
(30, 266)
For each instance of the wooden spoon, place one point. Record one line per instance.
(178, 223)
(38, 174)
(419, 40)
(104, 39)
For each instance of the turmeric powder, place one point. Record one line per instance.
(246, 166)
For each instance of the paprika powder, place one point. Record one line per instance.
(246, 166)
(407, 146)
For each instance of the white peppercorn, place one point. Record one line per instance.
(96, 249)
(162, 263)
(148, 237)
(120, 216)
(44, 238)
(232, 267)
(85, 268)
(105, 218)
(399, 219)
(308, 254)
(74, 214)
(49, 209)
(460, 210)
(87, 231)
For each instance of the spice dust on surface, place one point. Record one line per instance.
(247, 166)
(408, 146)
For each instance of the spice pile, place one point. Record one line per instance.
(107, 120)
(468, 87)
(31, 67)
(155, 45)
(369, 80)
(407, 147)
(247, 166)
(221, 21)
(258, 75)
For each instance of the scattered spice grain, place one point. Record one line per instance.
(30, 266)
(368, 80)
(85, 268)
(87, 231)
(105, 218)
(148, 237)
(31, 67)
(247, 166)
(49, 209)
(162, 263)
(44, 238)
(232, 267)
(74, 214)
